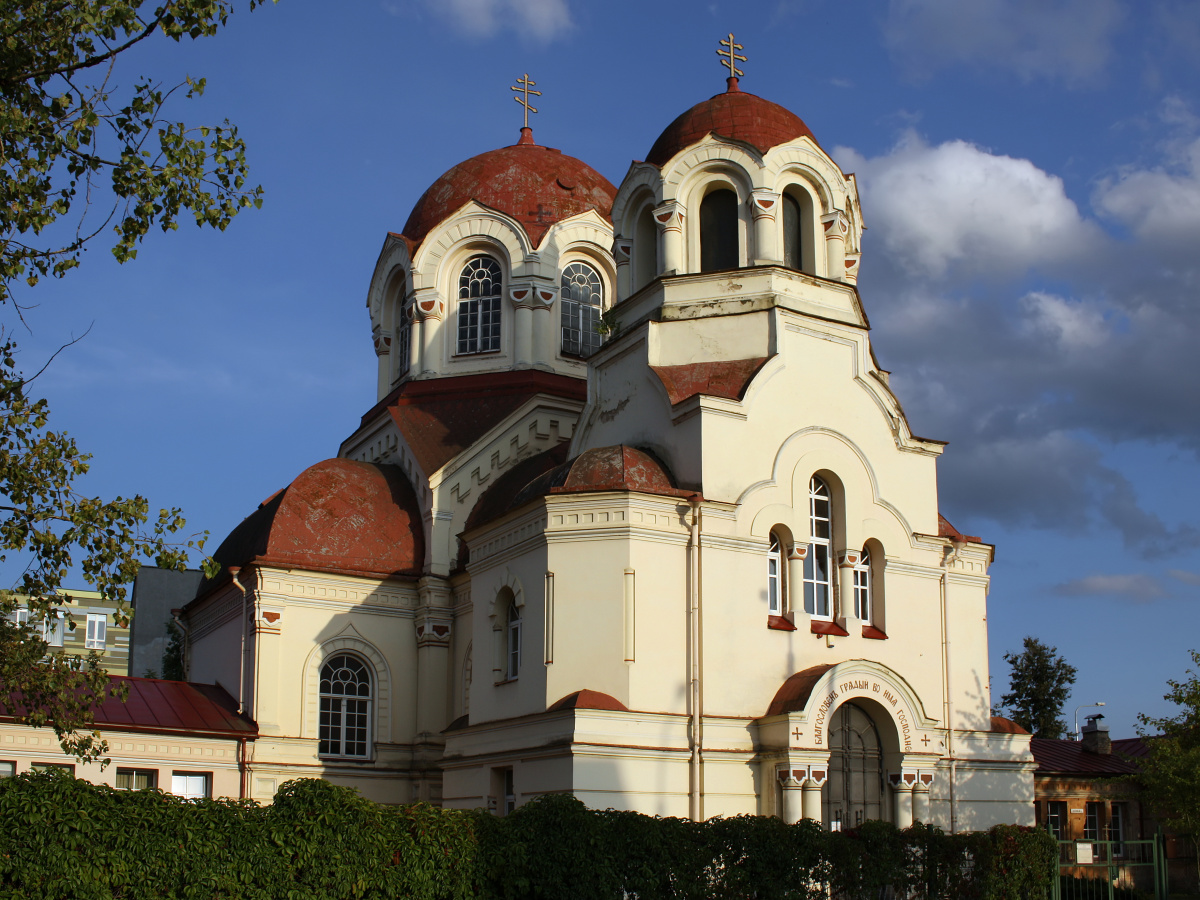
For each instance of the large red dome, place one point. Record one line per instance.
(535, 185)
(734, 114)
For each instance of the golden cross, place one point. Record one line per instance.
(733, 57)
(524, 85)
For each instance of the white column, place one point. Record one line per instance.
(920, 802)
(847, 560)
(850, 275)
(669, 217)
(903, 795)
(836, 229)
(429, 314)
(795, 584)
(812, 793)
(384, 359)
(763, 206)
(793, 796)
(622, 251)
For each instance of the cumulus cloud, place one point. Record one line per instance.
(1065, 40)
(1022, 332)
(957, 206)
(543, 20)
(1138, 588)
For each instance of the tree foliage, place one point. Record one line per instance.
(79, 154)
(66, 141)
(1039, 683)
(1170, 772)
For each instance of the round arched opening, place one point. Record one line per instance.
(853, 792)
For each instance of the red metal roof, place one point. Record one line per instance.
(587, 699)
(339, 515)
(734, 114)
(1001, 725)
(945, 529)
(537, 186)
(173, 707)
(1069, 757)
(727, 379)
(793, 694)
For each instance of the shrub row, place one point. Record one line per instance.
(65, 838)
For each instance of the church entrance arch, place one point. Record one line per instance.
(853, 792)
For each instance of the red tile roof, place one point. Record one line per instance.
(734, 114)
(537, 186)
(945, 529)
(1069, 757)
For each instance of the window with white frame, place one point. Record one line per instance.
(1091, 821)
(403, 339)
(97, 631)
(513, 629)
(20, 615)
(191, 785)
(1116, 828)
(862, 587)
(52, 629)
(480, 289)
(345, 717)
(581, 297)
(818, 580)
(8, 768)
(1056, 818)
(776, 577)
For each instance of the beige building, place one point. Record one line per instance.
(85, 622)
(636, 515)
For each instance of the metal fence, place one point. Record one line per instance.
(1111, 870)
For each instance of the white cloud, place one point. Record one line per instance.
(1067, 40)
(542, 20)
(1138, 588)
(1185, 576)
(1159, 204)
(957, 205)
(1072, 325)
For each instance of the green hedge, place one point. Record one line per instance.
(64, 838)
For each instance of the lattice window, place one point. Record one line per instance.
(818, 582)
(515, 628)
(862, 587)
(775, 576)
(403, 341)
(345, 721)
(582, 300)
(479, 294)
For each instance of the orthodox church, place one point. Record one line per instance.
(636, 515)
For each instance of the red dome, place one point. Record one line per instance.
(337, 516)
(535, 185)
(734, 114)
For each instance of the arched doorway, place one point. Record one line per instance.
(854, 791)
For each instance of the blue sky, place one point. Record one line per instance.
(1030, 175)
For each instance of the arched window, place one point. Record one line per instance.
(403, 347)
(345, 722)
(818, 584)
(645, 250)
(513, 644)
(793, 246)
(776, 576)
(582, 300)
(479, 293)
(719, 231)
(862, 587)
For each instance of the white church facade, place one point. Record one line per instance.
(636, 515)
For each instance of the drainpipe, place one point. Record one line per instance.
(693, 639)
(233, 572)
(950, 554)
(242, 794)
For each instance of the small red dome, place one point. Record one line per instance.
(735, 115)
(337, 516)
(535, 185)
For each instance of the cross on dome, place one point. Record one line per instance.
(730, 58)
(523, 86)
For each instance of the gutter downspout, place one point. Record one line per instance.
(950, 554)
(695, 809)
(233, 572)
(242, 793)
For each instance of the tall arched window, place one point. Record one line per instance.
(776, 576)
(719, 231)
(513, 644)
(345, 722)
(793, 246)
(862, 587)
(479, 293)
(582, 299)
(818, 583)
(403, 349)
(645, 250)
